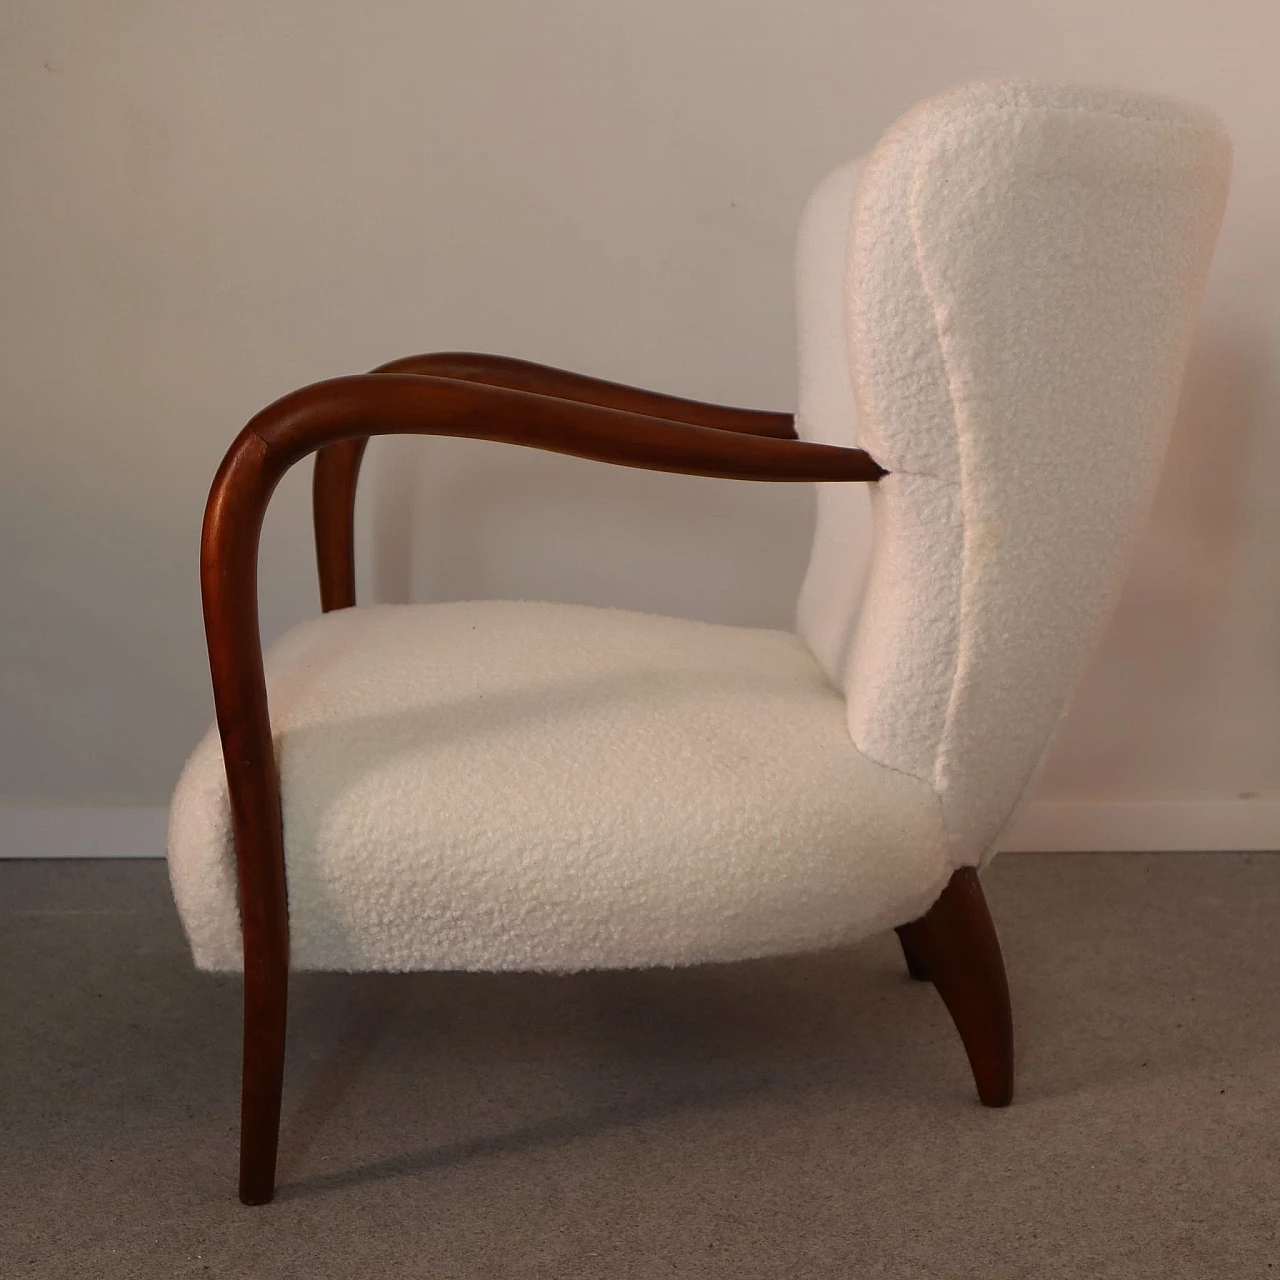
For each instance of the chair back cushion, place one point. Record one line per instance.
(1022, 267)
(826, 412)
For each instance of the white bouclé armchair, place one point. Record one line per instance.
(994, 310)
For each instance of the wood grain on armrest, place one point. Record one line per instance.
(524, 375)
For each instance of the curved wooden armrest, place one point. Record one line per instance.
(543, 380)
(337, 466)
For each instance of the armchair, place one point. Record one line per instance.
(993, 315)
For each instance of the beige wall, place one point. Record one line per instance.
(205, 206)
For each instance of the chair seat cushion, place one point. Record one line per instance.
(521, 785)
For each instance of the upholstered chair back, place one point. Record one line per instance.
(998, 306)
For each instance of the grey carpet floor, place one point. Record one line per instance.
(806, 1117)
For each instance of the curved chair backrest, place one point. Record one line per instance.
(1016, 273)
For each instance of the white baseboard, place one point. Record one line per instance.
(82, 833)
(1145, 826)
(1046, 826)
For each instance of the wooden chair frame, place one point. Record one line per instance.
(489, 398)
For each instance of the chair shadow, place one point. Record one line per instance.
(550, 1132)
(1093, 1010)
(714, 1035)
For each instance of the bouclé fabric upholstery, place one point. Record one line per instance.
(525, 785)
(997, 304)
(1022, 269)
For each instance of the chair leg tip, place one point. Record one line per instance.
(256, 1195)
(997, 1093)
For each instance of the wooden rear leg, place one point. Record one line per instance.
(954, 945)
(913, 949)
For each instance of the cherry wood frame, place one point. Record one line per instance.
(500, 399)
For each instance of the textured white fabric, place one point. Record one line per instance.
(505, 784)
(831, 594)
(1024, 267)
